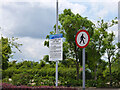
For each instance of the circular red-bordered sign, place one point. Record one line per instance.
(82, 38)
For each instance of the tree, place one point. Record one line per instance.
(97, 44)
(70, 25)
(5, 52)
(110, 50)
(6, 45)
(115, 69)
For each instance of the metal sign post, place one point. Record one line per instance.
(56, 50)
(119, 27)
(83, 68)
(56, 73)
(56, 33)
(56, 46)
(82, 40)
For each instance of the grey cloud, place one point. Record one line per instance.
(35, 22)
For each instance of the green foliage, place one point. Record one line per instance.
(6, 80)
(44, 81)
(67, 63)
(110, 50)
(21, 79)
(97, 83)
(101, 42)
(13, 43)
(42, 63)
(73, 82)
(46, 76)
(99, 73)
(70, 24)
(6, 51)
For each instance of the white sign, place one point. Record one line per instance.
(82, 38)
(55, 47)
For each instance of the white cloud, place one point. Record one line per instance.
(76, 8)
(94, 0)
(6, 22)
(32, 49)
(103, 9)
(41, 3)
(19, 15)
(102, 13)
(8, 18)
(23, 19)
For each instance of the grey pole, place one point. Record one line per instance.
(83, 68)
(119, 26)
(56, 16)
(56, 73)
(56, 33)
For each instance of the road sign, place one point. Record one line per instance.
(55, 47)
(82, 38)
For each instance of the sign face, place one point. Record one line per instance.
(55, 47)
(82, 38)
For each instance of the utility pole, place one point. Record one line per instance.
(83, 66)
(56, 33)
(119, 27)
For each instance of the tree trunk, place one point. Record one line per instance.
(95, 70)
(77, 69)
(110, 72)
(77, 62)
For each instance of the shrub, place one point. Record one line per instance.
(96, 83)
(6, 86)
(20, 79)
(72, 82)
(101, 83)
(6, 80)
(91, 83)
(11, 71)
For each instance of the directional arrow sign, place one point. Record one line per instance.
(82, 38)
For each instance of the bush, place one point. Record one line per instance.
(73, 82)
(43, 76)
(91, 83)
(6, 80)
(67, 73)
(69, 82)
(101, 83)
(10, 72)
(88, 75)
(20, 79)
(6, 86)
(44, 81)
(96, 83)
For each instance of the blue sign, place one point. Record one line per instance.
(55, 36)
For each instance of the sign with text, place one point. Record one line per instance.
(55, 47)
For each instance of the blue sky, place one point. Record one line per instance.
(32, 20)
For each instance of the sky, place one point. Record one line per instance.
(32, 20)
